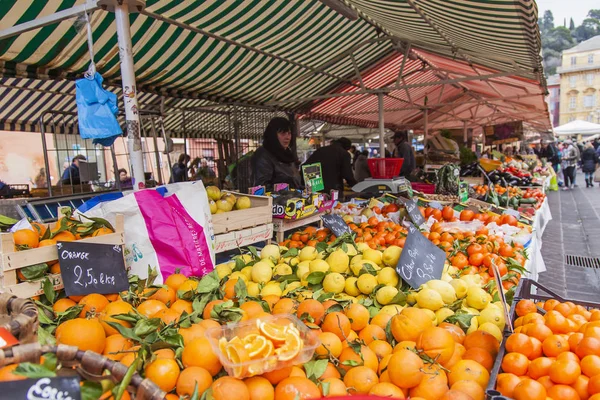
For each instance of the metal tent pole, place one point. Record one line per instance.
(426, 131)
(381, 127)
(130, 100)
(46, 161)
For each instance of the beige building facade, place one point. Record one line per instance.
(580, 82)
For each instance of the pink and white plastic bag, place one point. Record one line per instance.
(171, 233)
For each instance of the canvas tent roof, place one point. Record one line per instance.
(577, 127)
(291, 56)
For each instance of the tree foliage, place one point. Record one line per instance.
(555, 39)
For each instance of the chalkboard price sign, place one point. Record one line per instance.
(92, 268)
(336, 223)
(414, 212)
(421, 260)
(66, 388)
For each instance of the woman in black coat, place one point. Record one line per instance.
(275, 161)
(589, 160)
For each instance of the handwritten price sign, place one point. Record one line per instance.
(92, 268)
(421, 260)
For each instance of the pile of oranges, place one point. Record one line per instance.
(513, 191)
(447, 214)
(379, 235)
(556, 355)
(309, 236)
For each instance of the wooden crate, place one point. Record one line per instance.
(244, 237)
(11, 261)
(261, 213)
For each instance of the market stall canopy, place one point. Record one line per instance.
(578, 127)
(288, 54)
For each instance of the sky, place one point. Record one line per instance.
(562, 9)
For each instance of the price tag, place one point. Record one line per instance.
(421, 260)
(436, 205)
(66, 388)
(92, 268)
(313, 176)
(463, 191)
(414, 213)
(336, 223)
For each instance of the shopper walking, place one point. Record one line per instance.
(589, 160)
(569, 163)
(275, 162)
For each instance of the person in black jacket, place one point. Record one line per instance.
(275, 162)
(335, 164)
(404, 150)
(179, 171)
(589, 160)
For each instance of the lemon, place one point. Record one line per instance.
(338, 261)
(372, 255)
(444, 289)
(248, 272)
(391, 255)
(430, 299)
(351, 250)
(446, 277)
(345, 297)
(474, 325)
(431, 315)
(318, 266)
(269, 261)
(492, 330)
(366, 283)
(261, 272)
(411, 298)
(472, 280)
(492, 314)
(253, 289)
(303, 268)
(293, 261)
(388, 276)
(290, 287)
(308, 253)
(362, 247)
(350, 286)
(270, 251)
(442, 314)
(356, 260)
(246, 258)
(272, 288)
(304, 294)
(283, 269)
(386, 294)
(356, 268)
(223, 270)
(239, 275)
(478, 298)
(334, 283)
(391, 309)
(460, 287)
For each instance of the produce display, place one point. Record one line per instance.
(552, 354)
(510, 196)
(224, 202)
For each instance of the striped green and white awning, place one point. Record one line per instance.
(256, 52)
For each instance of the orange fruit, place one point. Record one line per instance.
(115, 346)
(515, 363)
(539, 367)
(112, 309)
(405, 369)
(175, 280)
(64, 236)
(181, 306)
(93, 303)
(330, 372)
(189, 378)
(581, 386)
(564, 371)
(590, 365)
(520, 343)
(358, 315)
(7, 374)
(295, 388)
(187, 286)
(528, 389)
(371, 333)
(277, 375)
(381, 320)
(86, 334)
(336, 387)
(367, 357)
(437, 343)
(381, 348)
(150, 307)
(195, 331)
(209, 306)
(62, 305)
(360, 380)
(164, 373)
(271, 300)
(506, 384)
(457, 333)
(588, 346)
(409, 324)
(563, 392)
(434, 384)
(553, 345)
(481, 356)
(387, 389)
(226, 388)
(164, 353)
(469, 370)
(470, 388)
(40, 228)
(285, 306)
(26, 237)
(260, 388)
(337, 323)
(482, 340)
(166, 315)
(330, 344)
(166, 295)
(199, 353)
(253, 308)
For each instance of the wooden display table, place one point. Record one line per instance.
(283, 225)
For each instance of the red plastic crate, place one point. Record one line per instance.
(385, 168)
(427, 188)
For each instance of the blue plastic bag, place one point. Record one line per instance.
(97, 111)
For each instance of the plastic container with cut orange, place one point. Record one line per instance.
(261, 345)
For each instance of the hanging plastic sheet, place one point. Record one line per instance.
(97, 111)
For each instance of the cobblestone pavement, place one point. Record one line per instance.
(574, 230)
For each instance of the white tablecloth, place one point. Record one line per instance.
(535, 264)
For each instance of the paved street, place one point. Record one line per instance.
(574, 230)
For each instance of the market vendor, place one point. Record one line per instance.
(275, 161)
(336, 165)
(404, 150)
(70, 175)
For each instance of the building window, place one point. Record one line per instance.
(589, 79)
(572, 81)
(572, 102)
(573, 60)
(589, 101)
(591, 59)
